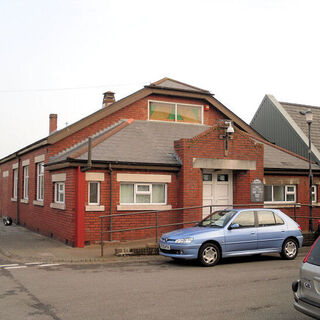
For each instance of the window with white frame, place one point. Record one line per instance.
(59, 192)
(15, 183)
(175, 112)
(314, 193)
(40, 181)
(26, 182)
(280, 193)
(143, 193)
(94, 193)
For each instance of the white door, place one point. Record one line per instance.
(217, 190)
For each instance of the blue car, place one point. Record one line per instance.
(236, 232)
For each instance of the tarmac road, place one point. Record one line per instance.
(247, 288)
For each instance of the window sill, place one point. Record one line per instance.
(14, 199)
(281, 205)
(94, 208)
(139, 207)
(38, 203)
(60, 206)
(24, 201)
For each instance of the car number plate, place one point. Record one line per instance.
(164, 246)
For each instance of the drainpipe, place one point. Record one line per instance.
(111, 195)
(89, 163)
(89, 152)
(80, 198)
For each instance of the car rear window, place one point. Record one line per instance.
(314, 257)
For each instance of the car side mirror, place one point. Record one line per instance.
(234, 226)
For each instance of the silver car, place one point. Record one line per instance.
(306, 290)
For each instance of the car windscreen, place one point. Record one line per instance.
(217, 219)
(314, 256)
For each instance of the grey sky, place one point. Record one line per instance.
(59, 56)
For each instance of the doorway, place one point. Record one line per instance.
(216, 190)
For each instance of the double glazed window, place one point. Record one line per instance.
(15, 184)
(143, 193)
(175, 112)
(281, 193)
(94, 193)
(40, 181)
(314, 193)
(26, 182)
(59, 192)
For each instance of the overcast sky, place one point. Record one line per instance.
(59, 56)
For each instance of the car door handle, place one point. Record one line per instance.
(253, 232)
(283, 230)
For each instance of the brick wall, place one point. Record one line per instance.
(34, 215)
(301, 212)
(92, 221)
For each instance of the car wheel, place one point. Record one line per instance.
(289, 249)
(209, 255)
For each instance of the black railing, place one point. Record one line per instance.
(157, 226)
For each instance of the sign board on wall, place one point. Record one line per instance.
(256, 191)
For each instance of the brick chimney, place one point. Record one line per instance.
(53, 119)
(108, 98)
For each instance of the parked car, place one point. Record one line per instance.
(236, 232)
(306, 290)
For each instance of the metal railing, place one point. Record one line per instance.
(157, 226)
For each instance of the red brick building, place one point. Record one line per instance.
(169, 145)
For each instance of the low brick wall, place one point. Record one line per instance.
(309, 238)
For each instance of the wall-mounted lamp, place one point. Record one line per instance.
(229, 130)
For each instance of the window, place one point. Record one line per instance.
(268, 218)
(26, 182)
(15, 183)
(245, 219)
(222, 177)
(314, 193)
(175, 112)
(94, 193)
(143, 193)
(207, 177)
(59, 192)
(40, 181)
(285, 193)
(278, 219)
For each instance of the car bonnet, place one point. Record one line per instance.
(189, 232)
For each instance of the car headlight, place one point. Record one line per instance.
(185, 240)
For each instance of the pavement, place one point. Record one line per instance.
(18, 244)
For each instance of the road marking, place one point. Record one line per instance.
(49, 265)
(32, 263)
(18, 267)
(8, 265)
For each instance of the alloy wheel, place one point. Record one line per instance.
(290, 249)
(210, 255)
